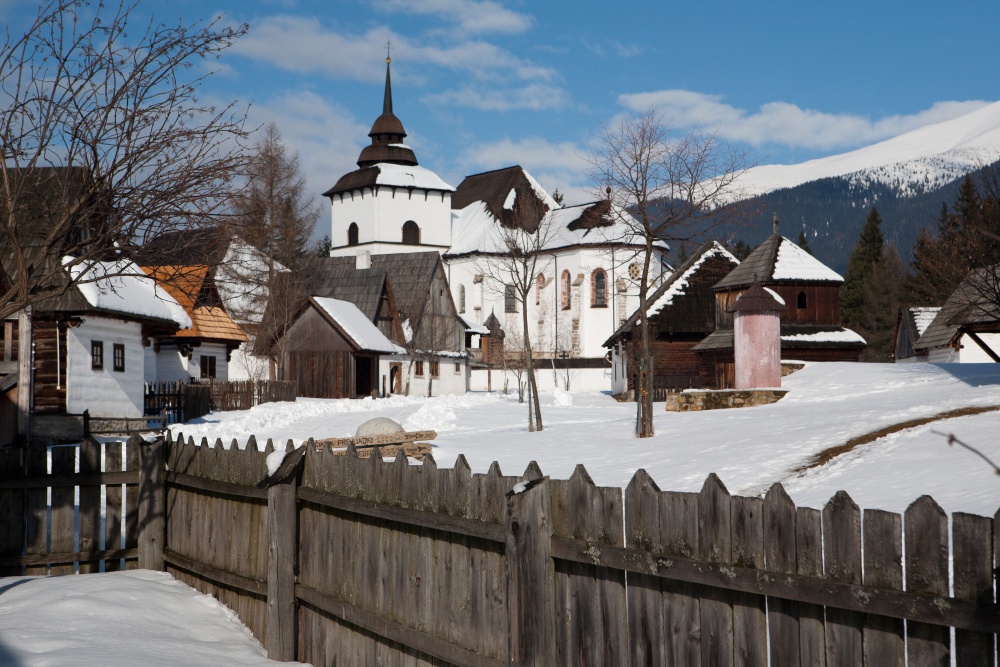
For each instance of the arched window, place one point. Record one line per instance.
(411, 233)
(539, 284)
(599, 289)
(801, 301)
(509, 299)
(461, 298)
(352, 234)
(567, 291)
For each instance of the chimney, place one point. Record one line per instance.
(774, 223)
(363, 260)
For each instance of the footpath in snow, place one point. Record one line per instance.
(748, 448)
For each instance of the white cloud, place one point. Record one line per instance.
(305, 46)
(473, 16)
(535, 97)
(784, 123)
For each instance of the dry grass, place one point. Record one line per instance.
(828, 455)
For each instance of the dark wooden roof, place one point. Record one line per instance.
(187, 247)
(358, 179)
(968, 306)
(760, 265)
(595, 215)
(493, 187)
(362, 287)
(387, 135)
(722, 339)
(757, 300)
(692, 311)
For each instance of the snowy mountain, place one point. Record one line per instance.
(919, 161)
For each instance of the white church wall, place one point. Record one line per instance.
(380, 218)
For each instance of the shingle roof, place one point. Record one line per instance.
(494, 188)
(967, 305)
(187, 285)
(362, 287)
(187, 247)
(792, 337)
(757, 300)
(794, 266)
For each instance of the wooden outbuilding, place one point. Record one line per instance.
(811, 329)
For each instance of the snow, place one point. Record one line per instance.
(274, 460)
(777, 297)
(121, 286)
(794, 263)
(508, 203)
(914, 162)
(359, 328)
(410, 176)
(841, 336)
(923, 316)
(119, 619)
(471, 327)
(678, 286)
(749, 448)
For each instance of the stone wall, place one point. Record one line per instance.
(708, 399)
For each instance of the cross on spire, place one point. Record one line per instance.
(388, 49)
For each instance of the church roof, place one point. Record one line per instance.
(387, 135)
(390, 175)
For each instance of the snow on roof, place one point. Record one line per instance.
(923, 316)
(540, 191)
(679, 283)
(777, 297)
(794, 263)
(408, 176)
(121, 286)
(475, 328)
(842, 336)
(354, 323)
(508, 203)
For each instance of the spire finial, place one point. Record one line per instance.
(388, 48)
(774, 223)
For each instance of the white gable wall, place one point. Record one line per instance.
(106, 392)
(380, 214)
(172, 366)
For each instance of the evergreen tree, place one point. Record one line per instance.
(804, 242)
(883, 295)
(682, 257)
(867, 253)
(741, 250)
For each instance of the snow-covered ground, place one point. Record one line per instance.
(122, 618)
(749, 448)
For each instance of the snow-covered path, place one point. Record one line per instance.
(748, 448)
(120, 618)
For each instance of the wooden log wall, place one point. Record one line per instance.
(44, 530)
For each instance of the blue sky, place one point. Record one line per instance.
(482, 84)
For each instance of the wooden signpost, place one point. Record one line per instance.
(388, 445)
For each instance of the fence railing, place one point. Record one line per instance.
(342, 560)
(184, 401)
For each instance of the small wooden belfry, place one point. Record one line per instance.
(757, 338)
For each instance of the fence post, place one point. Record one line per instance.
(530, 575)
(282, 529)
(152, 503)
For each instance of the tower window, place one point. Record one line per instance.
(352, 234)
(411, 233)
(461, 298)
(599, 289)
(509, 299)
(801, 300)
(567, 291)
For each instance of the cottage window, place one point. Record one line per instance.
(801, 301)
(458, 367)
(509, 299)
(411, 233)
(352, 234)
(97, 355)
(567, 291)
(599, 289)
(207, 366)
(435, 369)
(539, 284)
(461, 298)
(118, 357)
(419, 368)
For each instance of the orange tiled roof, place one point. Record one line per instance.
(184, 283)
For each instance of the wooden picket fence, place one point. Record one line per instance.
(342, 560)
(184, 401)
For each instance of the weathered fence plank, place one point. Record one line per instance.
(972, 538)
(883, 568)
(842, 561)
(152, 504)
(90, 504)
(749, 616)
(809, 548)
(113, 504)
(927, 573)
(779, 557)
(642, 529)
(715, 543)
(12, 512)
(36, 510)
(680, 603)
(131, 504)
(62, 510)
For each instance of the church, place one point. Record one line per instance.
(584, 283)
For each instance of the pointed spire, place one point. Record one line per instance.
(387, 100)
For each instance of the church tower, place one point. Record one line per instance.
(389, 204)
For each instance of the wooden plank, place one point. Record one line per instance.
(63, 510)
(282, 521)
(205, 571)
(130, 506)
(90, 504)
(842, 562)
(715, 545)
(189, 481)
(749, 610)
(437, 521)
(68, 557)
(152, 505)
(645, 609)
(972, 538)
(680, 602)
(12, 510)
(36, 509)
(809, 557)
(376, 440)
(70, 480)
(926, 573)
(113, 504)
(779, 557)
(883, 568)
(530, 603)
(381, 627)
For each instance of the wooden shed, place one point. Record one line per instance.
(811, 329)
(331, 350)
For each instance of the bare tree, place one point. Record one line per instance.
(105, 143)
(510, 270)
(663, 187)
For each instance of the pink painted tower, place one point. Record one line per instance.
(757, 338)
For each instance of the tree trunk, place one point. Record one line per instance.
(535, 408)
(644, 390)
